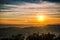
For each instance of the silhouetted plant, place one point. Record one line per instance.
(58, 37)
(34, 36)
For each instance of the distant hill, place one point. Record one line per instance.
(53, 28)
(7, 32)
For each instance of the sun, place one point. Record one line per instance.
(41, 18)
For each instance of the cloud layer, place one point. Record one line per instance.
(19, 1)
(28, 8)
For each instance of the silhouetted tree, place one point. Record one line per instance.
(57, 38)
(49, 36)
(35, 36)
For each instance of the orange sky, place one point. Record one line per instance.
(24, 12)
(29, 21)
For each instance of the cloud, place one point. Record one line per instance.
(17, 1)
(6, 3)
(29, 1)
(27, 9)
(56, 1)
(43, 5)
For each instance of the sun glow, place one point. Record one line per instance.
(41, 18)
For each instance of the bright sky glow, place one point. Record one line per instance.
(41, 18)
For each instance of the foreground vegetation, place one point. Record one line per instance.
(34, 36)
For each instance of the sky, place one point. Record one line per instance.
(26, 11)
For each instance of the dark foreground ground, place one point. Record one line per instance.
(34, 36)
(11, 32)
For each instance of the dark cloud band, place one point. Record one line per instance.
(19, 1)
(57, 1)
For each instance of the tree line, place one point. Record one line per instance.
(34, 36)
